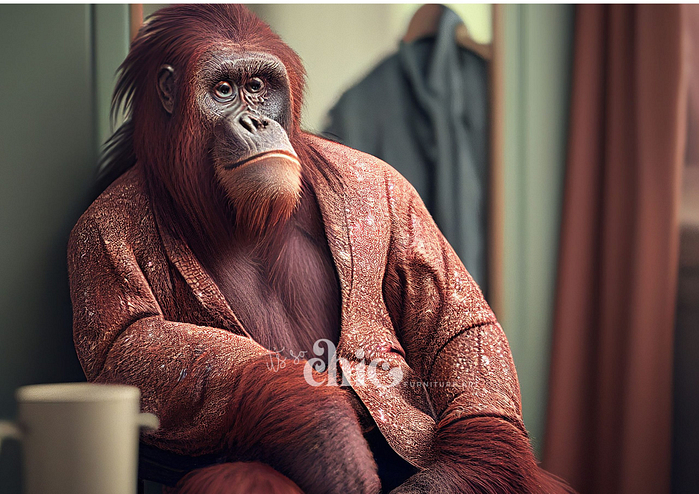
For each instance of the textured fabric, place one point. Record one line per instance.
(146, 313)
(609, 418)
(424, 111)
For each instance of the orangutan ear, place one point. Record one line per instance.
(166, 87)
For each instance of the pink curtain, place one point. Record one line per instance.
(609, 419)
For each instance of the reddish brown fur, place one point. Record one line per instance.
(309, 434)
(317, 442)
(483, 455)
(188, 192)
(265, 194)
(284, 289)
(236, 478)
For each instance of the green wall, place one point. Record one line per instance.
(538, 50)
(51, 83)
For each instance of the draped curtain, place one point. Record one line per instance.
(610, 401)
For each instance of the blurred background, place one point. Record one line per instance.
(555, 145)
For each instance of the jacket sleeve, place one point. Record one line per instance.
(187, 373)
(449, 332)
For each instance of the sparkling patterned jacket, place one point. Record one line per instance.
(145, 313)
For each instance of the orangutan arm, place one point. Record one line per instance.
(454, 341)
(213, 391)
(481, 445)
(482, 455)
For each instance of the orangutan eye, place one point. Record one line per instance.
(255, 85)
(224, 91)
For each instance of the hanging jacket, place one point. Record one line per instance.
(424, 111)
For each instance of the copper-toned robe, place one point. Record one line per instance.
(146, 313)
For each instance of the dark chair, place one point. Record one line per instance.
(167, 468)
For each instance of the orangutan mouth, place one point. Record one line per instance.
(267, 156)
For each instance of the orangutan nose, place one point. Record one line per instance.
(253, 123)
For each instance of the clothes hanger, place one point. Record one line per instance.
(425, 22)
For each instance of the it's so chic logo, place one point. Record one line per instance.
(363, 372)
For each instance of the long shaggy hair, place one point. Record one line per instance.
(173, 148)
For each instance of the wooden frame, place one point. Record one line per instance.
(496, 197)
(136, 18)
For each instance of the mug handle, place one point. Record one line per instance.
(9, 430)
(147, 421)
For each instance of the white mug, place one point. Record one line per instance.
(79, 438)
